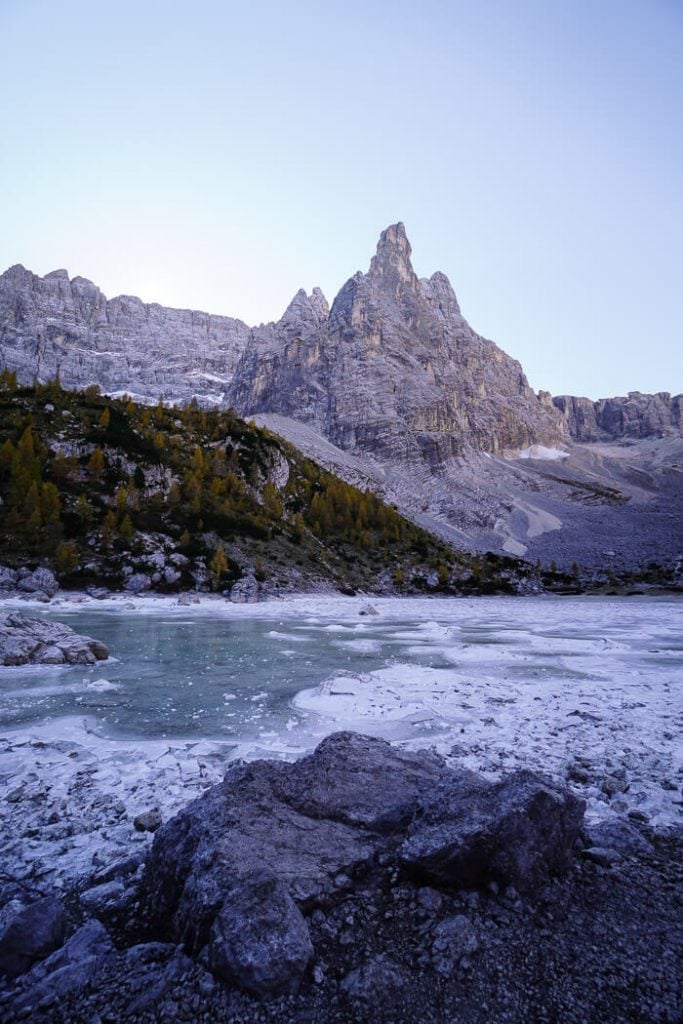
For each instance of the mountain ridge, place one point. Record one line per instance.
(391, 375)
(39, 340)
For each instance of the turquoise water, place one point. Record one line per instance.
(202, 676)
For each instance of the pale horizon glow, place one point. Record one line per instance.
(220, 157)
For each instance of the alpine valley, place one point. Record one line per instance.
(391, 390)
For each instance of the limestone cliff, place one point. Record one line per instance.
(395, 370)
(52, 326)
(392, 369)
(634, 416)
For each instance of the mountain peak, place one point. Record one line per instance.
(391, 264)
(395, 237)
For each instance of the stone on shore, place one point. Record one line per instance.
(246, 590)
(25, 641)
(39, 581)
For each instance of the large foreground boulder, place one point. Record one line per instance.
(25, 641)
(239, 869)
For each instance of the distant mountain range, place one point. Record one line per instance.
(392, 388)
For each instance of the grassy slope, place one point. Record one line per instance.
(97, 488)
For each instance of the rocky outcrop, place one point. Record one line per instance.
(635, 416)
(395, 370)
(54, 326)
(517, 832)
(69, 968)
(236, 869)
(39, 584)
(246, 590)
(25, 641)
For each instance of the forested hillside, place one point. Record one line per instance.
(107, 492)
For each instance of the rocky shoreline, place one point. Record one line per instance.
(360, 883)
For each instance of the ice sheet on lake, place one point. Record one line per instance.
(492, 684)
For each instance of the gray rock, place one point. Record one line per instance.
(618, 835)
(200, 855)
(430, 899)
(294, 832)
(101, 899)
(606, 857)
(152, 971)
(31, 934)
(90, 940)
(454, 940)
(50, 655)
(138, 582)
(376, 983)
(25, 640)
(8, 578)
(148, 821)
(245, 591)
(52, 326)
(635, 415)
(517, 832)
(364, 782)
(41, 580)
(69, 969)
(259, 939)
(118, 869)
(394, 369)
(612, 785)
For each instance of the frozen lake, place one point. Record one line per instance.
(588, 689)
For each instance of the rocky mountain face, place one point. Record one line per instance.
(636, 415)
(394, 370)
(55, 327)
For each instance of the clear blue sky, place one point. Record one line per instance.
(220, 155)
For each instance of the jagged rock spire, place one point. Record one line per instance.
(391, 267)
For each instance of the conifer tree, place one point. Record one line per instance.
(66, 556)
(84, 511)
(218, 565)
(96, 464)
(126, 530)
